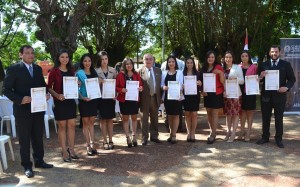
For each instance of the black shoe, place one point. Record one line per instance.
(110, 145)
(66, 159)
(29, 173)
(144, 142)
(279, 144)
(43, 165)
(262, 141)
(169, 139)
(129, 142)
(72, 156)
(211, 139)
(156, 140)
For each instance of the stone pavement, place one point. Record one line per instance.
(183, 164)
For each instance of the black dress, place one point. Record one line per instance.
(191, 102)
(66, 109)
(129, 107)
(88, 109)
(107, 107)
(173, 107)
(248, 101)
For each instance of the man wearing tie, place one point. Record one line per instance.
(150, 99)
(275, 99)
(19, 79)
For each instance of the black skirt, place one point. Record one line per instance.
(88, 109)
(191, 102)
(213, 101)
(129, 107)
(248, 102)
(107, 108)
(64, 110)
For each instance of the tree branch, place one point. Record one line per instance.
(27, 9)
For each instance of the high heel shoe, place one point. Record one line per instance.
(173, 140)
(72, 156)
(89, 151)
(111, 145)
(188, 138)
(129, 142)
(211, 139)
(134, 142)
(247, 136)
(105, 146)
(227, 136)
(66, 159)
(231, 139)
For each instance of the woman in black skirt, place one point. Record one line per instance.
(65, 109)
(191, 102)
(87, 106)
(106, 106)
(173, 107)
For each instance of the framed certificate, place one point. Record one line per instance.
(190, 85)
(232, 87)
(173, 90)
(132, 93)
(209, 82)
(70, 87)
(252, 85)
(272, 80)
(92, 88)
(38, 99)
(109, 89)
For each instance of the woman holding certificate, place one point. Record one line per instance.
(128, 86)
(107, 76)
(234, 78)
(191, 97)
(248, 101)
(171, 83)
(87, 106)
(65, 109)
(212, 77)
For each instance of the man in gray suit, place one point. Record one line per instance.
(150, 99)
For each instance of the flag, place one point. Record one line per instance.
(246, 41)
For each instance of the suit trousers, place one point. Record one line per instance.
(152, 111)
(266, 110)
(30, 129)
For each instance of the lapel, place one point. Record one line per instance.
(26, 71)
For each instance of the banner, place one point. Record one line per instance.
(290, 51)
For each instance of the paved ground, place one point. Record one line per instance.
(182, 164)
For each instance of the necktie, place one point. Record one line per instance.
(151, 83)
(274, 64)
(31, 70)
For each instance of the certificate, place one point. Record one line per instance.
(109, 89)
(252, 85)
(173, 90)
(272, 80)
(232, 87)
(190, 85)
(70, 87)
(92, 88)
(38, 99)
(132, 93)
(209, 82)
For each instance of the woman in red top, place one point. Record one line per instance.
(213, 101)
(128, 108)
(65, 109)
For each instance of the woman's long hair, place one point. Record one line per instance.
(194, 66)
(92, 69)
(249, 56)
(176, 65)
(124, 65)
(233, 61)
(205, 64)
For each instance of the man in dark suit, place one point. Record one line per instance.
(19, 79)
(275, 99)
(150, 99)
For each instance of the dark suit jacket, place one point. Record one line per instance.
(286, 79)
(145, 94)
(17, 84)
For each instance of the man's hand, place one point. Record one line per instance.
(26, 100)
(283, 89)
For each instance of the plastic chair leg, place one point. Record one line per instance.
(46, 126)
(3, 154)
(13, 126)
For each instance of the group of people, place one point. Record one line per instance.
(153, 88)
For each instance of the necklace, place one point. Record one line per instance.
(171, 73)
(64, 70)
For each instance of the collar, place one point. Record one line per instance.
(27, 65)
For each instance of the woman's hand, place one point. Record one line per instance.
(165, 88)
(199, 83)
(124, 90)
(204, 94)
(140, 88)
(60, 97)
(86, 99)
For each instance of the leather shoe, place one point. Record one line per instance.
(43, 165)
(144, 142)
(29, 173)
(279, 144)
(262, 141)
(156, 140)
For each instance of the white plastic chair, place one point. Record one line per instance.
(48, 116)
(7, 114)
(5, 139)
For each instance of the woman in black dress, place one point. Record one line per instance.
(65, 109)
(87, 106)
(191, 102)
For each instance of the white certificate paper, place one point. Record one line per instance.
(70, 87)
(190, 85)
(232, 87)
(132, 93)
(173, 90)
(252, 85)
(109, 89)
(38, 99)
(92, 88)
(209, 82)
(272, 80)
